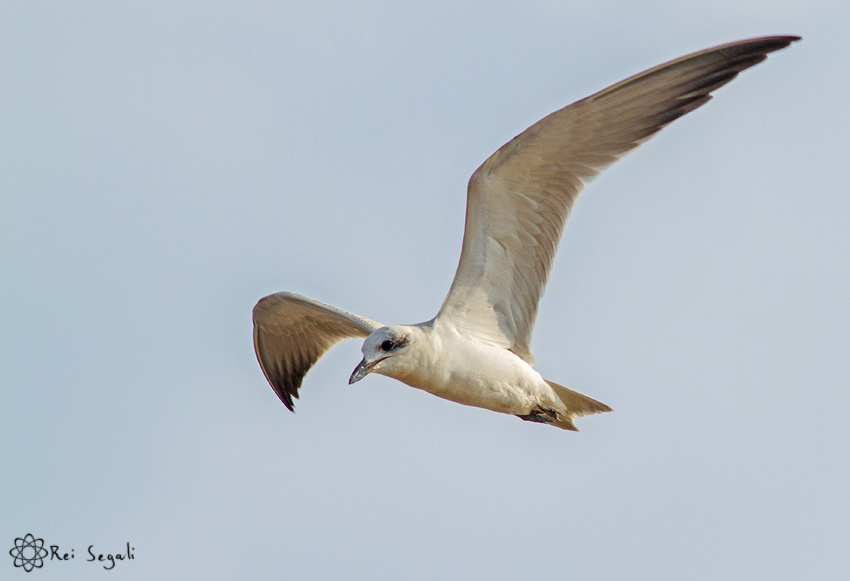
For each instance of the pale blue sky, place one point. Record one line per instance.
(164, 165)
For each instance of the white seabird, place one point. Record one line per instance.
(476, 350)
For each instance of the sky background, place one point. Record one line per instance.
(163, 165)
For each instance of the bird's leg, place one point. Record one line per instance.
(542, 416)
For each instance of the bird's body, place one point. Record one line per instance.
(445, 363)
(476, 350)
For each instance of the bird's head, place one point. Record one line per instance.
(384, 351)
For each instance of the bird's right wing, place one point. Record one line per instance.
(520, 197)
(291, 333)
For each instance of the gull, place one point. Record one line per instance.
(476, 350)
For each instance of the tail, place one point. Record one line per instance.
(577, 405)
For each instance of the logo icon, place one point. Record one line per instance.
(29, 552)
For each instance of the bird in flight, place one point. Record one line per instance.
(476, 350)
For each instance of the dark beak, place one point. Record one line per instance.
(362, 370)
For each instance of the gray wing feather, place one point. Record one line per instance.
(518, 200)
(291, 333)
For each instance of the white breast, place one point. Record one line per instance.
(454, 367)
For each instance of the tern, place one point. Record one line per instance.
(476, 350)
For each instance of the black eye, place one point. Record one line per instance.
(387, 345)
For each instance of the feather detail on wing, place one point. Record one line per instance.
(291, 333)
(518, 200)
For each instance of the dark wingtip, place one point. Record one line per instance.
(774, 43)
(286, 399)
(286, 392)
(771, 43)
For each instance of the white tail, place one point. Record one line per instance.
(577, 405)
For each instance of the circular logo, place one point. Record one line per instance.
(29, 553)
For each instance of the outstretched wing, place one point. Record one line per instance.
(518, 200)
(291, 333)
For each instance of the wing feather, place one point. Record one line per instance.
(292, 332)
(519, 199)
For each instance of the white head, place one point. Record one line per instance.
(386, 351)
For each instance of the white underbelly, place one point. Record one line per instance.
(482, 376)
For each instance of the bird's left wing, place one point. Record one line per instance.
(291, 333)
